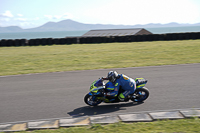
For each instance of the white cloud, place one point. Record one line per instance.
(7, 14)
(48, 16)
(21, 19)
(9, 19)
(27, 24)
(20, 15)
(36, 18)
(59, 17)
(4, 19)
(67, 15)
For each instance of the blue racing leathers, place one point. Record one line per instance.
(111, 90)
(126, 83)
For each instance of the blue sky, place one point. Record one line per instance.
(33, 13)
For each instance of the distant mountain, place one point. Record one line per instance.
(70, 25)
(11, 29)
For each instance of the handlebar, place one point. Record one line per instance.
(104, 78)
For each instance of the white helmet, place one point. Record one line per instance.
(112, 76)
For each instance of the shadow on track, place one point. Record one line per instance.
(101, 109)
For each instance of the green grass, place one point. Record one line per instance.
(164, 126)
(41, 59)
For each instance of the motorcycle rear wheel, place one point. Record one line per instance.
(88, 99)
(140, 95)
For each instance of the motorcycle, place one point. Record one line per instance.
(97, 90)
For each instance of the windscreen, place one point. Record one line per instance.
(98, 83)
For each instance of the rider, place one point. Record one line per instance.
(119, 80)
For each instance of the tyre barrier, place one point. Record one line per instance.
(106, 39)
(31, 42)
(56, 41)
(10, 42)
(20, 42)
(130, 117)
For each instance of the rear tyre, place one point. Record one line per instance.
(140, 95)
(91, 100)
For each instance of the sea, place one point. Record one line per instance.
(63, 34)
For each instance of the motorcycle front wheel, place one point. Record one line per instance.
(91, 100)
(140, 95)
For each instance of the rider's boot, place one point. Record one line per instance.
(123, 99)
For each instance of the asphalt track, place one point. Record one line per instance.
(57, 95)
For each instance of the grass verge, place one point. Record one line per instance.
(164, 126)
(41, 59)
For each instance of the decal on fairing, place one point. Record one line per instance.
(140, 86)
(116, 84)
(125, 77)
(131, 84)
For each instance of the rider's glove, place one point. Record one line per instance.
(102, 78)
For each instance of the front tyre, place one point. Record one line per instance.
(140, 95)
(91, 100)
